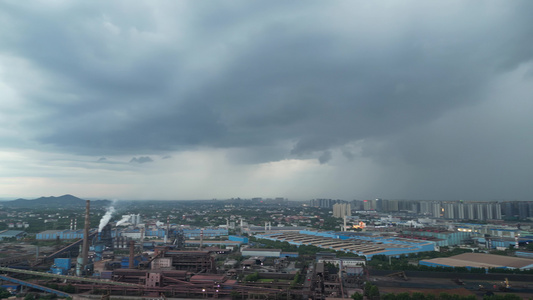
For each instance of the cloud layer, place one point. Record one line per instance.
(429, 97)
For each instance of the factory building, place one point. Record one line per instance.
(61, 234)
(211, 243)
(135, 234)
(490, 230)
(502, 243)
(235, 238)
(363, 244)
(261, 252)
(350, 265)
(524, 254)
(442, 237)
(207, 233)
(275, 229)
(10, 234)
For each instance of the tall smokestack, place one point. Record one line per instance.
(132, 255)
(344, 227)
(85, 250)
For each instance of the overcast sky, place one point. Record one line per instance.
(296, 99)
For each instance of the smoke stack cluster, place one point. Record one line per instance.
(124, 219)
(105, 219)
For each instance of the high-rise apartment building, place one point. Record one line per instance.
(425, 207)
(460, 210)
(497, 207)
(480, 211)
(489, 212)
(449, 210)
(436, 209)
(393, 206)
(523, 210)
(369, 205)
(340, 210)
(323, 203)
(509, 209)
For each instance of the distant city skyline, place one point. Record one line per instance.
(316, 99)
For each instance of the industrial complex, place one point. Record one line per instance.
(131, 257)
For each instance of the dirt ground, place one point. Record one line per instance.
(437, 286)
(436, 292)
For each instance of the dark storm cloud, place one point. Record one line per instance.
(141, 160)
(257, 154)
(348, 154)
(325, 157)
(310, 76)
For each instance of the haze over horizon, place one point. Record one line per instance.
(4, 199)
(201, 100)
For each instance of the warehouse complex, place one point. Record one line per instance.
(363, 244)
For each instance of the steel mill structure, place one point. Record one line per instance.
(170, 270)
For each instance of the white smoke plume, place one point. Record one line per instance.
(123, 220)
(159, 224)
(105, 219)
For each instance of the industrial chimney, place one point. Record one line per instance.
(131, 263)
(85, 249)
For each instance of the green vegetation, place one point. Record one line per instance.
(298, 279)
(510, 271)
(29, 296)
(502, 297)
(443, 296)
(235, 295)
(4, 293)
(370, 291)
(252, 277)
(50, 243)
(421, 296)
(330, 223)
(69, 288)
(357, 296)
